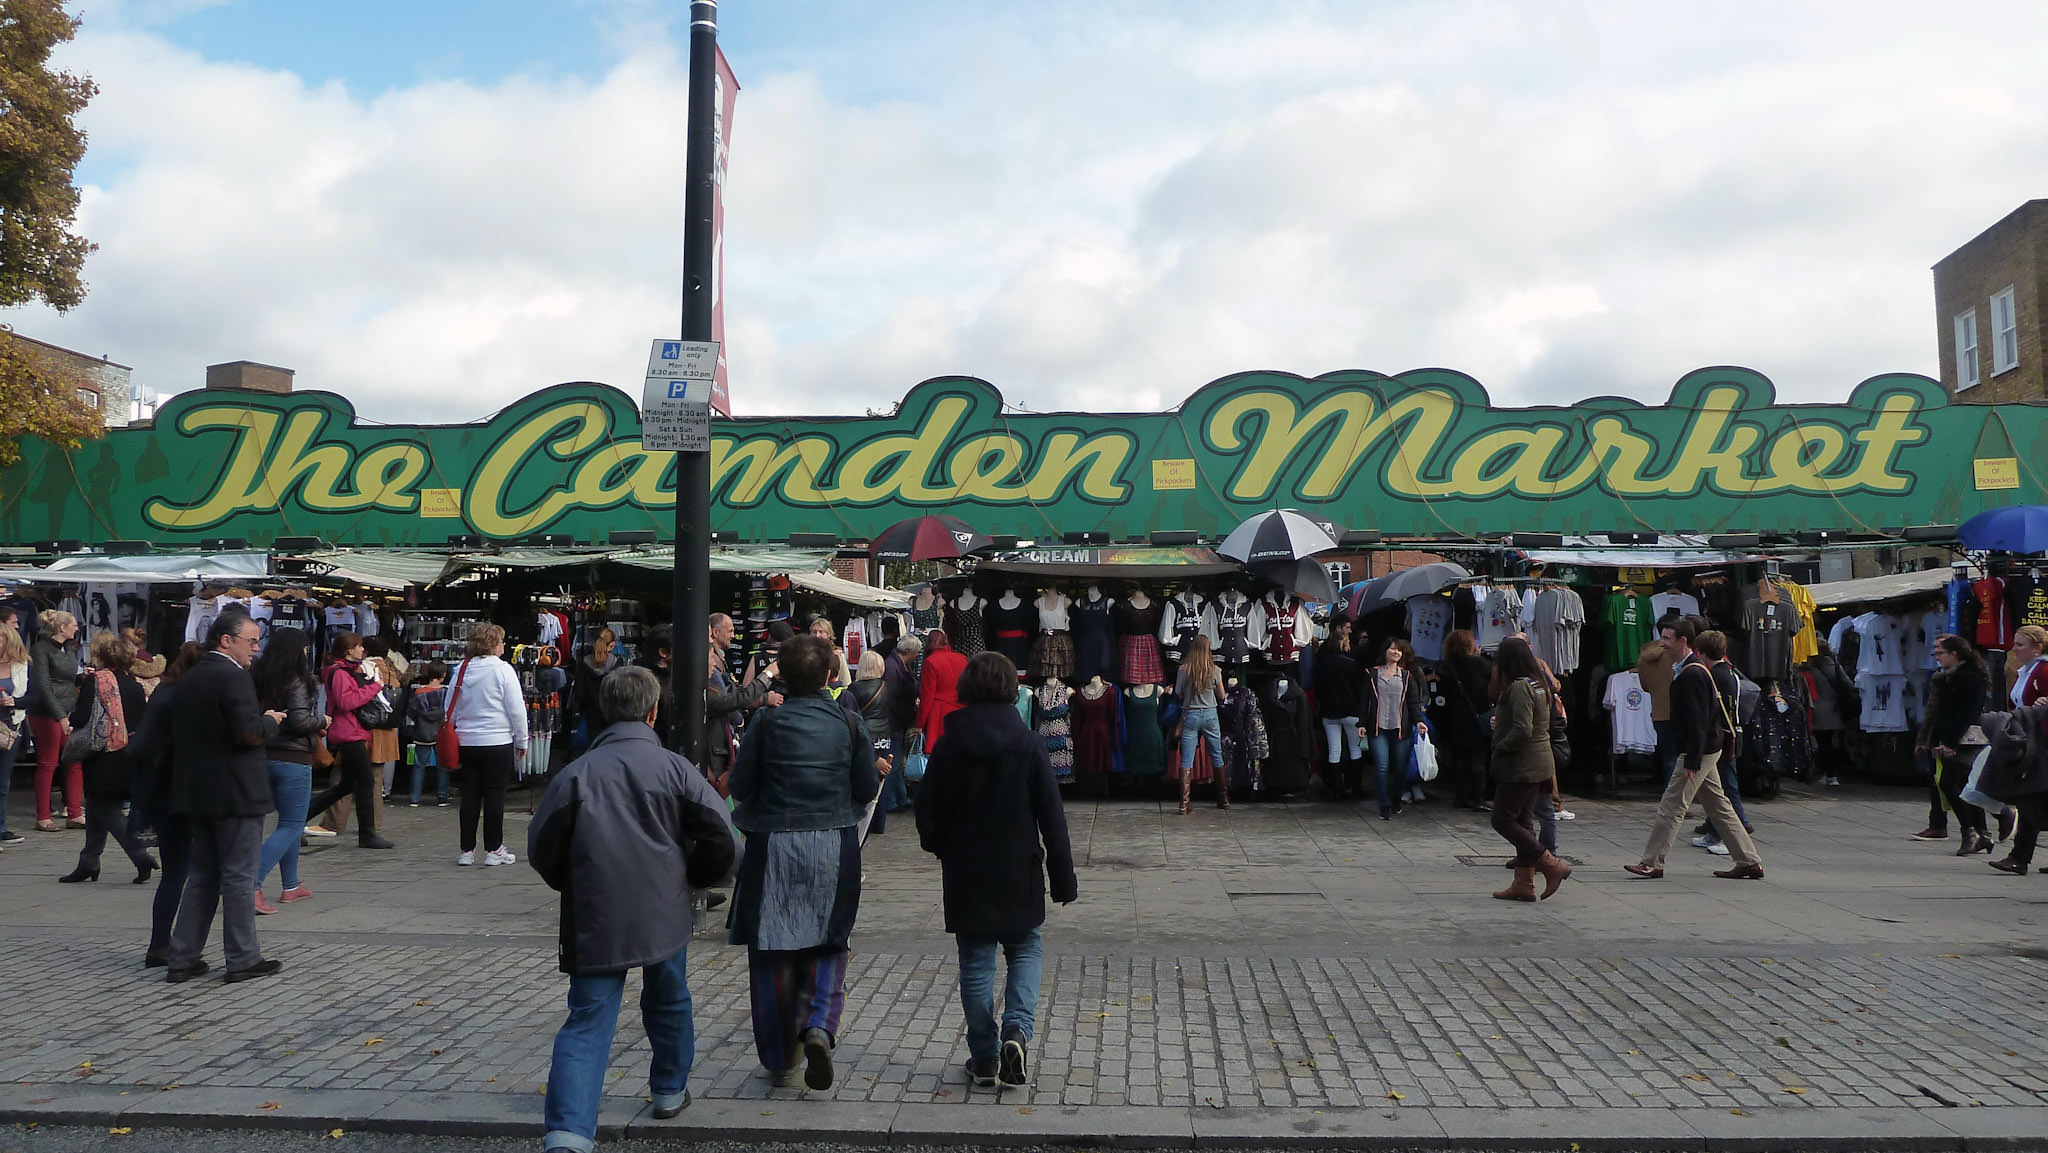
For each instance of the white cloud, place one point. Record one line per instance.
(1561, 201)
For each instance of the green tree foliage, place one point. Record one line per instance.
(40, 256)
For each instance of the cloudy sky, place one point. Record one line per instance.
(435, 208)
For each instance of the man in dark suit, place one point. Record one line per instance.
(220, 781)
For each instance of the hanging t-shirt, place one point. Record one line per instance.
(1913, 641)
(1879, 653)
(1571, 624)
(1539, 620)
(1958, 593)
(1884, 702)
(1664, 603)
(1933, 623)
(1771, 625)
(1629, 707)
(1994, 622)
(2028, 600)
(1429, 618)
(199, 615)
(1631, 623)
(1499, 617)
(1805, 642)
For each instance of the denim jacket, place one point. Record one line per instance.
(802, 765)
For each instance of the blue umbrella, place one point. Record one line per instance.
(2019, 528)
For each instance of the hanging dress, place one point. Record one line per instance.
(1052, 653)
(1094, 640)
(1138, 635)
(1095, 731)
(1144, 738)
(1010, 631)
(964, 628)
(923, 621)
(1054, 729)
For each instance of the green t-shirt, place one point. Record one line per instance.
(1631, 624)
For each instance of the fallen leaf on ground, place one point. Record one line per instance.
(1695, 1076)
(1739, 1112)
(336, 1133)
(271, 1105)
(1395, 1097)
(1027, 1109)
(373, 1040)
(421, 1004)
(123, 1131)
(1795, 1091)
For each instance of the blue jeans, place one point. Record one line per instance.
(1390, 754)
(1733, 787)
(1197, 724)
(583, 1048)
(1341, 735)
(422, 757)
(1025, 957)
(291, 786)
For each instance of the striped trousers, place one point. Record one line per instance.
(792, 991)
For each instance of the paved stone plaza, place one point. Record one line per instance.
(1296, 968)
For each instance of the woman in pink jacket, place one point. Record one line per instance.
(350, 685)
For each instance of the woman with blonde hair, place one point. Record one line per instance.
(488, 709)
(13, 718)
(842, 673)
(52, 694)
(108, 772)
(869, 702)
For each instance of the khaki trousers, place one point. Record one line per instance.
(1677, 801)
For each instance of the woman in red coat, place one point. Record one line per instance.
(941, 693)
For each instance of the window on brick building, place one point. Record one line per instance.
(2005, 333)
(88, 398)
(1966, 349)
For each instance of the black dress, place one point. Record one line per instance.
(1094, 646)
(1010, 631)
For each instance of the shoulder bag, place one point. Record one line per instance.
(447, 748)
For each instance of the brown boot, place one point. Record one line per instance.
(1524, 888)
(1554, 872)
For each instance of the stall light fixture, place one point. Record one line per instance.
(125, 547)
(814, 540)
(1735, 540)
(1537, 540)
(299, 544)
(1813, 537)
(1087, 536)
(1931, 532)
(632, 536)
(1358, 538)
(1175, 537)
(1004, 543)
(1633, 538)
(224, 544)
(466, 540)
(724, 536)
(550, 540)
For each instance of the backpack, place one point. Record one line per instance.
(424, 713)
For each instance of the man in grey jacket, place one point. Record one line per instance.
(625, 834)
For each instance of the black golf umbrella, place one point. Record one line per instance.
(1282, 535)
(1395, 588)
(1305, 577)
(927, 538)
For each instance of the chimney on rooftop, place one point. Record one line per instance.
(249, 375)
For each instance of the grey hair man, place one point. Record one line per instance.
(625, 834)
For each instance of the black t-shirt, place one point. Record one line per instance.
(2027, 599)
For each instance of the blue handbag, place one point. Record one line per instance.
(914, 760)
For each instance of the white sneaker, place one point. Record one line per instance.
(1567, 815)
(1718, 849)
(1705, 841)
(467, 859)
(499, 856)
(318, 831)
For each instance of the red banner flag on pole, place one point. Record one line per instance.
(727, 96)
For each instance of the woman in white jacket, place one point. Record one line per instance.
(488, 711)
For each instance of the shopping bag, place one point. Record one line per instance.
(1976, 796)
(1425, 759)
(913, 761)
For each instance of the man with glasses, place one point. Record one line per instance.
(220, 781)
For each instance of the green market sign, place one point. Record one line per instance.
(1423, 453)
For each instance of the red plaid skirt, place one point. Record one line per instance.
(1141, 660)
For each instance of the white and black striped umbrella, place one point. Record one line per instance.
(1284, 535)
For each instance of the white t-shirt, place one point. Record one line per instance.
(199, 617)
(1429, 618)
(1500, 611)
(1884, 702)
(1879, 654)
(1932, 624)
(1662, 603)
(1629, 707)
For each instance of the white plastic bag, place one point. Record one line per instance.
(1425, 758)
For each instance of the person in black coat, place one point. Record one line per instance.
(1463, 735)
(1338, 701)
(1956, 697)
(220, 780)
(989, 809)
(107, 772)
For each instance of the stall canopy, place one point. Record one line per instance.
(761, 559)
(1668, 552)
(384, 570)
(225, 566)
(852, 592)
(1870, 590)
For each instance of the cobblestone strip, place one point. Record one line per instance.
(1268, 1031)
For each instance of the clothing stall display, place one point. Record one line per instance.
(1287, 626)
(964, 624)
(1095, 634)
(1052, 651)
(1628, 707)
(1012, 622)
(1290, 736)
(1499, 615)
(1245, 747)
(1137, 628)
(1238, 620)
(1185, 616)
(1772, 620)
(1429, 619)
(1145, 749)
(1631, 623)
(1051, 717)
(1097, 723)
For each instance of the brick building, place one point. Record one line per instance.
(1988, 303)
(99, 383)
